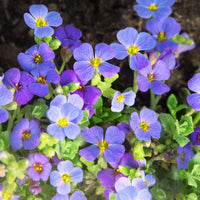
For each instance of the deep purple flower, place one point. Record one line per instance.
(19, 81)
(132, 43)
(164, 29)
(66, 173)
(156, 8)
(69, 36)
(42, 76)
(152, 78)
(185, 154)
(41, 20)
(87, 63)
(111, 146)
(118, 101)
(184, 47)
(6, 97)
(25, 134)
(34, 188)
(39, 167)
(35, 56)
(195, 136)
(124, 127)
(146, 125)
(64, 118)
(194, 99)
(78, 195)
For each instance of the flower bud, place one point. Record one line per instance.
(55, 44)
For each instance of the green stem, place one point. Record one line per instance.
(62, 67)
(196, 119)
(11, 119)
(135, 85)
(154, 100)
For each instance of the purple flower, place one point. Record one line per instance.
(69, 37)
(42, 76)
(19, 81)
(132, 44)
(152, 78)
(156, 8)
(195, 136)
(185, 154)
(111, 146)
(64, 119)
(78, 195)
(34, 188)
(35, 56)
(164, 29)
(87, 64)
(124, 127)
(146, 125)
(119, 100)
(39, 167)
(194, 99)
(183, 47)
(41, 20)
(6, 97)
(66, 173)
(25, 134)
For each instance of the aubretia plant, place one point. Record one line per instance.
(71, 132)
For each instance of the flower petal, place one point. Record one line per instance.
(114, 136)
(193, 83)
(108, 70)
(104, 52)
(120, 51)
(158, 87)
(143, 11)
(43, 31)
(3, 115)
(56, 131)
(29, 20)
(90, 153)
(72, 131)
(53, 18)
(138, 61)
(194, 101)
(78, 196)
(58, 101)
(142, 135)
(38, 11)
(143, 83)
(65, 167)
(76, 175)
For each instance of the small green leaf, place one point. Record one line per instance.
(159, 194)
(181, 140)
(172, 104)
(110, 80)
(39, 108)
(186, 125)
(112, 196)
(191, 180)
(182, 40)
(192, 196)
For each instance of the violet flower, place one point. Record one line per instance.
(69, 37)
(155, 8)
(42, 76)
(78, 195)
(194, 99)
(132, 43)
(164, 29)
(124, 127)
(111, 147)
(87, 64)
(35, 56)
(146, 125)
(34, 188)
(185, 154)
(150, 77)
(66, 173)
(19, 81)
(41, 20)
(195, 136)
(25, 134)
(39, 167)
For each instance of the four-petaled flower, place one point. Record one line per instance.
(41, 21)
(87, 64)
(66, 173)
(146, 125)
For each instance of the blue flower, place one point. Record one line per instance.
(132, 43)
(185, 154)
(64, 119)
(163, 30)
(146, 125)
(78, 195)
(195, 136)
(119, 100)
(41, 21)
(157, 8)
(66, 173)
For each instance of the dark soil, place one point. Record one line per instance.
(99, 21)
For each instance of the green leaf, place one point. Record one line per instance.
(110, 80)
(172, 104)
(186, 125)
(99, 105)
(109, 93)
(192, 196)
(84, 122)
(191, 180)
(39, 108)
(87, 163)
(182, 40)
(181, 107)
(168, 123)
(96, 120)
(181, 140)
(112, 116)
(112, 196)
(159, 194)
(4, 140)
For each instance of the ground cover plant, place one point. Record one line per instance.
(72, 134)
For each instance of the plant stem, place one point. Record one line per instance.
(11, 119)
(196, 119)
(154, 100)
(62, 67)
(135, 85)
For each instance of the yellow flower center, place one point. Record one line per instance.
(161, 36)
(41, 79)
(120, 98)
(18, 86)
(132, 50)
(66, 178)
(26, 135)
(144, 126)
(198, 137)
(37, 59)
(153, 7)
(62, 122)
(39, 22)
(37, 167)
(95, 62)
(151, 77)
(103, 145)
(6, 196)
